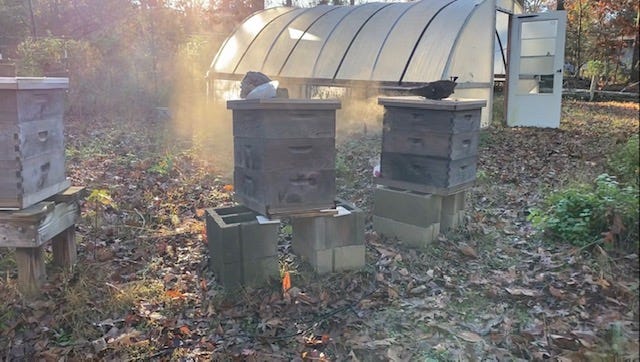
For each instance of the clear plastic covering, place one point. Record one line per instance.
(386, 42)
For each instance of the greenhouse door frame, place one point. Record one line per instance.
(535, 64)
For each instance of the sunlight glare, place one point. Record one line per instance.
(299, 34)
(227, 55)
(253, 25)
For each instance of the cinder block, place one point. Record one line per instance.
(314, 238)
(409, 207)
(453, 203)
(451, 221)
(412, 235)
(325, 232)
(321, 260)
(230, 275)
(348, 257)
(259, 271)
(238, 242)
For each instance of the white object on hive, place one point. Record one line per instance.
(263, 91)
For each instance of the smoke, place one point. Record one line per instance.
(359, 112)
(201, 117)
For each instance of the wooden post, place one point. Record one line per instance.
(31, 271)
(64, 249)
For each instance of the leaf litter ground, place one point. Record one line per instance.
(490, 290)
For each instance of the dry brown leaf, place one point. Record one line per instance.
(174, 294)
(185, 330)
(469, 337)
(286, 282)
(522, 291)
(556, 292)
(603, 283)
(468, 251)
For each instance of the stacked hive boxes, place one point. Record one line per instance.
(32, 159)
(428, 160)
(284, 154)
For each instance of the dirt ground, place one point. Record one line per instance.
(493, 289)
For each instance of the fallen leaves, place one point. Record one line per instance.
(469, 337)
(491, 289)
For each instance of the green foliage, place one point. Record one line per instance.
(39, 55)
(342, 169)
(164, 166)
(585, 214)
(97, 201)
(595, 68)
(101, 197)
(625, 163)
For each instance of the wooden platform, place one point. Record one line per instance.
(28, 230)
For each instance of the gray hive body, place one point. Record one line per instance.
(32, 158)
(284, 154)
(429, 145)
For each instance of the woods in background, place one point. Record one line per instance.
(119, 55)
(130, 55)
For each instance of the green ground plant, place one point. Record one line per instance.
(625, 163)
(606, 212)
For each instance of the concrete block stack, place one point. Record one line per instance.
(243, 246)
(333, 242)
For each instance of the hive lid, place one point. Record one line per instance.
(284, 104)
(21, 83)
(447, 104)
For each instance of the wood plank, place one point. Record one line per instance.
(31, 270)
(41, 137)
(64, 249)
(444, 104)
(284, 104)
(32, 213)
(440, 191)
(34, 83)
(71, 194)
(34, 230)
(42, 194)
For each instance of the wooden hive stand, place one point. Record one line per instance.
(29, 229)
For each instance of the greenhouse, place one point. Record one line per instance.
(373, 47)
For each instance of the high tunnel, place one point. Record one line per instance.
(372, 46)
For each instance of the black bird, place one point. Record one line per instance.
(435, 90)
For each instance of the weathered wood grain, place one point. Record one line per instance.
(63, 247)
(36, 225)
(31, 270)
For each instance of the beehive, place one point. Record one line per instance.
(429, 145)
(284, 154)
(32, 160)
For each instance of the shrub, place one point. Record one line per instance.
(625, 163)
(605, 212)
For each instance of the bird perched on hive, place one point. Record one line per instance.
(435, 90)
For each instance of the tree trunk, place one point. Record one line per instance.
(634, 59)
(592, 88)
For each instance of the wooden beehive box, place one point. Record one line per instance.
(429, 145)
(32, 161)
(284, 154)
